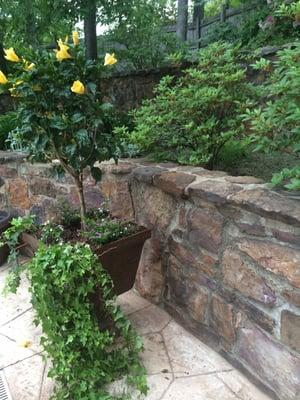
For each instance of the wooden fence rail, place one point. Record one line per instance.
(197, 30)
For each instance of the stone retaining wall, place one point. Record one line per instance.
(224, 257)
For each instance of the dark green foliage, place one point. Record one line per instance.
(191, 118)
(276, 125)
(64, 280)
(252, 29)
(11, 237)
(84, 359)
(7, 124)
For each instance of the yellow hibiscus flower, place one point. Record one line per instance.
(78, 87)
(3, 79)
(110, 59)
(10, 55)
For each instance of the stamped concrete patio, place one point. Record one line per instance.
(179, 365)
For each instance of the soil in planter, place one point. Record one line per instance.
(101, 229)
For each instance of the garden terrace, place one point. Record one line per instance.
(223, 260)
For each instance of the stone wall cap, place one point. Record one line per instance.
(146, 174)
(173, 182)
(12, 156)
(269, 204)
(212, 190)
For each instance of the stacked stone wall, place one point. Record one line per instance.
(224, 257)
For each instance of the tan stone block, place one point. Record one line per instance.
(118, 196)
(222, 318)
(205, 229)
(238, 275)
(280, 260)
(173, 182)
(197, 305)
(18, 194)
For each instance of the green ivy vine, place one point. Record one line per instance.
(84, 359)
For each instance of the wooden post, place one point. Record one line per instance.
(197, 19)
(224, 8)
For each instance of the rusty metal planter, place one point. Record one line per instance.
(120, 258)
(5, 219)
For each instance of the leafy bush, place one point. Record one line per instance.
(264, 25)
(191, 118)
(7, 124)
(276, 125)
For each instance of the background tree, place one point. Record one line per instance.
(182, 19)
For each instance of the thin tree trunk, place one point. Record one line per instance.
(82, 204)
(3, 66)
(182, 19)
(90, 33)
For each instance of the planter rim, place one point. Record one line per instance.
(105, 247)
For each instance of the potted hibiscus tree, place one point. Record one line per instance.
(61, 116)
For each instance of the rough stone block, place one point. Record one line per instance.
(8, 172)
(92, 194)
(43, 209)
(150, 279)
(280, 260)
(153, 208)
(271, 361)
(222, 318)
(42, 186)
(173, 183)
(146, 174)
(243, 180)
(18, 194)
(186, 293)
(198, 304)
(205, 229)
(122, 168)
(118, 196)
(290, 329)
(238, 275)
(195, 259)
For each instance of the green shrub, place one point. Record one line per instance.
(191, 118)
(276, 125)
(7, 124)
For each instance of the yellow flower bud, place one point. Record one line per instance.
(10, 55)
(28, 66)
(78, 87)
(110, 59)
(3, 79)
(75, 38)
